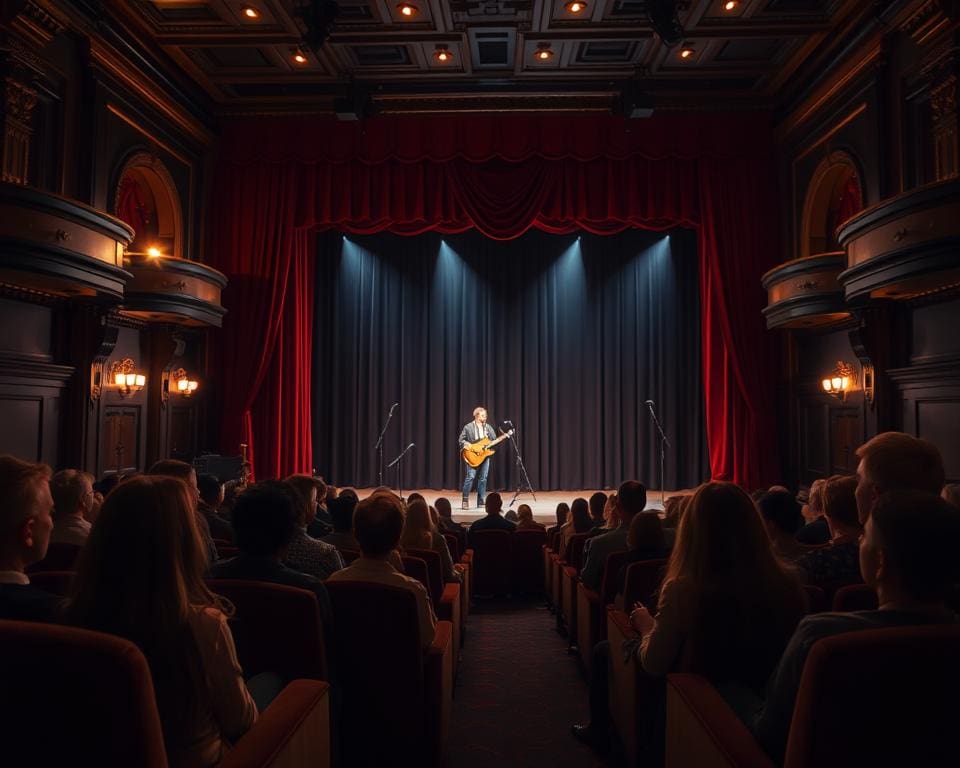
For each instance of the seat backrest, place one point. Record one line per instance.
(416, 568)
(276, 628)
(453, 544)
(380, 666)
(93, 689)
(609, 585)
(60, 557)
(555, 540)
(879, 697)
(54, 582)
(434, 571)
(855, 597)
(527, 560)
(642, 583)
(577, 542)
(491, 561)
(348, 555)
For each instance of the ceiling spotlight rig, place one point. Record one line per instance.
(543, 52)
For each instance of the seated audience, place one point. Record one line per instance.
(908, 555)
(673, 509)
(493, 520)
(341, 515)
(447, 523)
(233, 488)
(578, 521)
(73, 498)
(419, 533)
(563, 511)
(183, 471)
(645, 541)
(631, 499)
(726, 609)
(951, 494)
(377, 525)
(322, 524)
(264, 523)
(781, 517)
(25, 525)
(895, 461)
(838, 561)
(512, 516)
(304, 553)
(211, 497)
(816, 531)
(140, 577)
(107, 483)
(600, 513)
(525, 521)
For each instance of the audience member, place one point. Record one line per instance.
(631, 499)
(140, 576)
(233, 488)
(525, 520)
(816, 531)
(493, 520)
(341, 515)
(183, 471)
(73, 498)
(322, 524)
(895, 461)
(25, 525)
(578, 521)
(512, 516)
(211, 497)
(419, 533)
(562, 513)
(447, 524)
(377, 524)
(908, 555)
(781, 517)
(645, 541)
(599, 513)
(304, 553)
(836, 562)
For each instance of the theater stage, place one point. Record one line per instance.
(544, 507)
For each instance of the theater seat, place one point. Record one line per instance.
(592, 606)
(397, 696)
(877, 697)
(97, 690)
(491, 562)
(446, 597)
(527, 561)
(569, 578)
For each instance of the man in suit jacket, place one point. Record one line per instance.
(471, 432)
(25, 525)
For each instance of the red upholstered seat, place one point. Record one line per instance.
(569, 578)
(592, 606)
(642, 583)
(276, 628)
(59, 557)
(527, 561)
(446, 597)
(416, 568)
(491, 561)
(877, 697)
(397, 697)
(96, 692)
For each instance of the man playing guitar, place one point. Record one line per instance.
(476, 439)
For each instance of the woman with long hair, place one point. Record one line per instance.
(420, 533)
(140, 576)
(579, 521)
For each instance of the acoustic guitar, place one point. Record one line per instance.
(476, 453)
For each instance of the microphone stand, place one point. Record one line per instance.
(397, 462)
(379, 446)
(522, 476)
(664, 443)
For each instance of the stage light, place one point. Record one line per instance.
(730, 5)
(153, 252)
(408, 10)
(576, 7)
(443, 54)
(250, 12)
(543, 52)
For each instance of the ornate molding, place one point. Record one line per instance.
(38, 23)
(929, 19)
(107, 343)
(19, 100)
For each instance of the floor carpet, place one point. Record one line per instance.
(518, 692)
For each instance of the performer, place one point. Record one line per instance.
(472, 432)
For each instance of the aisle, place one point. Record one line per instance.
(518, 692)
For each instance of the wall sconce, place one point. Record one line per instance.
(843, 379)
(184, 385)
(127, 381)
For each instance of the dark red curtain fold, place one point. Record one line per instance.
(280, 179)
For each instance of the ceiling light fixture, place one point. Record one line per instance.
(543, 52)
(250, 12)
(576, 6)
(408, 10)
(686, 52)
(730, 5)
(442, 54)
(298, 56)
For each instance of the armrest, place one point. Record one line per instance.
(619, 621)
(294, 730)
(703, 730)
(438, 686)
(592, 596)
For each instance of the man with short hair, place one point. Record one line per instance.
(908, 556)
(631, 499)
(447, 523)
(25, 526)
(73, 500)
(211, 497)
(377, 525)
(494, 521)
(896, 461)
(473, 431)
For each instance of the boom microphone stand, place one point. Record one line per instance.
(664, 443)
(523, 476)
(397, 462)
(379, 446)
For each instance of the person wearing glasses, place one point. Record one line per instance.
(73, 505)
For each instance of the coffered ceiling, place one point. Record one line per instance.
(354, 56)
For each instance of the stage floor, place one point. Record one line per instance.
(544, 507)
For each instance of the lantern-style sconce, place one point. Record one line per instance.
(123, 376)
(184, 384)
(841, 380)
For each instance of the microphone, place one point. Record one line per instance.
(409, 447)
(508, 422)
(393, 406)
(649, 402)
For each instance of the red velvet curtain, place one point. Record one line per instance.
(279, 179)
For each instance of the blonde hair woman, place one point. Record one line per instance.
(140, 576)
(420, 533)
